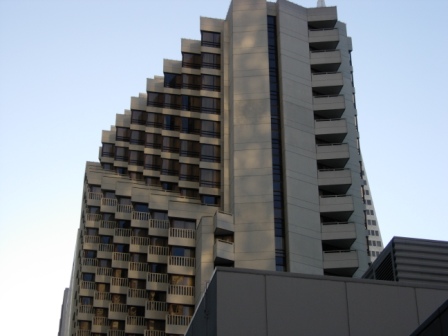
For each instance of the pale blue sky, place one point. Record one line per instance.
(67, 67)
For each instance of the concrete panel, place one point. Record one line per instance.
(428, 300)
(254, 158)
(381, 303)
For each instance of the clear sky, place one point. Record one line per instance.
(68, 66)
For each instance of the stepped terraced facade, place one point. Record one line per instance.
(244, 154)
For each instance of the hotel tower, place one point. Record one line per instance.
(244, 154)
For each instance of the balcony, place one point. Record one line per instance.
(115, 333)
(155, 332)
(103, 274)
(327, 83)
(157, 282)
(140, 219)
(90, 242)
(322, 17)
(157, 254)
(180, 294)
(85, 312)
(336, 181)
(339, 235)
(108, 205)
(100, 324)
(81, 332)
(177, 324)
(138, 270)
(87, 288)
(159, 227)
(107, 228)
(123, 211)
(181, 265)
(156, 310)
(324, 38)
(92, 220)
(122, 236)
(182, 237)
(329, 107)
(341, 263)
(331, 130)
(105, 251)
(118, 311)
(223, 224)
(333, 155)
(139, 244)
(119, 285)
(102, 299)
(338, 207)
(88, 265)
(136, 297)
(94, 199)
(120, 260)
(325, 60)
(223, 253)
(135, 325)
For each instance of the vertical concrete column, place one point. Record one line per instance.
(300, 170)
(251, 136)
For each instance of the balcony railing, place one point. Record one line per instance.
(137, 293)
(126, 208)
(93, 217)
(135, 320)
(94, 196)
(154, 333)
(104, 296)
(158, 250)
(106, 271)
(159, 224)
(143, 216)
(116, 333)
(139, 267)
(122, 232)
(182, 233)
(91, 239)
(118, 308)
(89, 262)
(182, 261)
(178, 320)
(106, 247)
(156, 305)
(85, 309)
(121, 256)
(109, 202)
(181, 290)
(158, 277)
(122, 282)
(108, 224)
(87, 285)
(144, 241)
(101, 321)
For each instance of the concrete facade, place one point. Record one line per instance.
(244, 154)
(245, 302)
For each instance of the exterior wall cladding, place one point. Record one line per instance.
(244, 154)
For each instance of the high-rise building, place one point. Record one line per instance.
(244, 154)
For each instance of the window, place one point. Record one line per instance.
(137, 137)
(210, 39)
(192, 82)
(123, 224)
(372, 213)
(210, 178)
(152, 181)
(89, 254)
(210, 153)
(211, 83)
(108, 150)
(138, 117)
(212, 61)
(171, 122)
(136, 158)
(187, 192)
(162, 215)
(189, 148)
(180, 223)
(170, 167)
(154, 119)
(189, 172)
(122, 134)
(182, 252)
(141, 207)
(121, 154)
(373, 222)
(190, 60)
(191, 103)
(369, 202)
(210, 129)
(121, 248)
(190, 125)
(155, 99)
(172, 101)
(210, 200)
(211, 105)
(169, 186)
(170, 144)
(367, 192)
(153, 140)
(152, 162)
(172, 80)
(88, 277)
(107, 166)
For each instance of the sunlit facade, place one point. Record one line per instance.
(244, 154)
